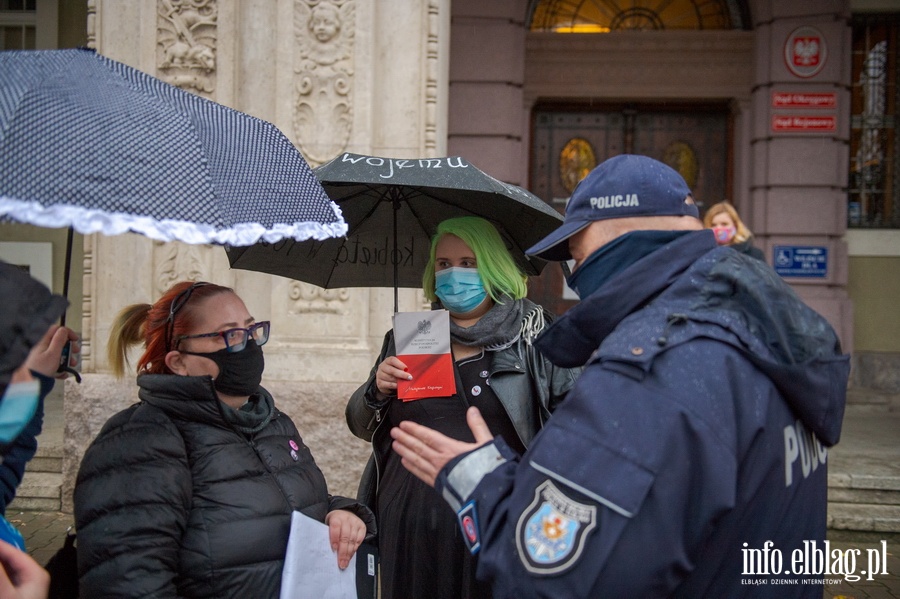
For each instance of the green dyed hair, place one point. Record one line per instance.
(499, 272)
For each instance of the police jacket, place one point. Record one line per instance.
(520, 376)
(691, 448)
(173, 500)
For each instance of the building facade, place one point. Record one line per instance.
(783, 108)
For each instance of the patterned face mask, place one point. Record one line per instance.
(724, 235)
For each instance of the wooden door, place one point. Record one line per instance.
(567, 142)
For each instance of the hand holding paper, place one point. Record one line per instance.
(345, 531)
(310, 569)
(389, 372)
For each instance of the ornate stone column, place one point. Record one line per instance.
(334, 76)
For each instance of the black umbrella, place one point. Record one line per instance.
(393, 207)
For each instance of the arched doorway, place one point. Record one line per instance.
(568, 141)
(636, 108)
(617, 15)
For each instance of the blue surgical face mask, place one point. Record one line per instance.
(459, 289)
(17, 408)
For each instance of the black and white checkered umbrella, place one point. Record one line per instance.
(92, 144)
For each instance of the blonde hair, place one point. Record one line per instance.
(126, 330)
(742, 233)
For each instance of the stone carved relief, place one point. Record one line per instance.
(432, 68)
(91, 24)
(323, 77)
(177, 262)
(309, 299)
(89, 283)
(186, 44)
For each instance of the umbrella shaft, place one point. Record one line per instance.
(396, 203)
(68, 270)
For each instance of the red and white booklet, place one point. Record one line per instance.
(422, 340)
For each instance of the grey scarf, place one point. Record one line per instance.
(499, 328)
(253, 416)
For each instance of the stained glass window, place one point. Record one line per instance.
(603, 16)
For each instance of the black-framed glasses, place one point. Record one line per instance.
(177, 304)
(236, 339)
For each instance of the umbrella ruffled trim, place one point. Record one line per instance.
(87, 221)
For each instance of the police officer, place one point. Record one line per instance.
(689, 460)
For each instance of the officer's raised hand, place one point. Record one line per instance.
(425, 451)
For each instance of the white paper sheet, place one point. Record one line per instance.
(310, 565)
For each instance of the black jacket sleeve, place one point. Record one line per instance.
(336, 502)
(132, 499)
(364, 408)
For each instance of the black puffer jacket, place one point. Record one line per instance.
(178, 496)
(747, 247)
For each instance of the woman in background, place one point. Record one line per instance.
(730, 230)
(492, 324)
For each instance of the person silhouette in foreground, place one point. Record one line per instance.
(31, 345)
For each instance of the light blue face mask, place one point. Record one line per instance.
(17, 408)
(459, 289)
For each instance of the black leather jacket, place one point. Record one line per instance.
(519, 375)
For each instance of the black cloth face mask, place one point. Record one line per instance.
(239, 372)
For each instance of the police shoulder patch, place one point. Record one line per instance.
(552, 531)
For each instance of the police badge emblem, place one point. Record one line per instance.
(552, 531)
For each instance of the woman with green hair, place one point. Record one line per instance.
(471, 274)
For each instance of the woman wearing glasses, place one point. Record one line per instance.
(189, 493)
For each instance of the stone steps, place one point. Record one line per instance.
(41, 486)
(863, 399)
(864, 517)
(864, 503)
(864, 474)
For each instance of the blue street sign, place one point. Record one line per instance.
(801, 261)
